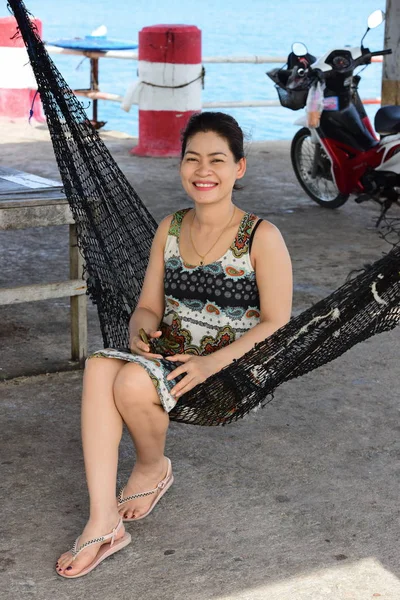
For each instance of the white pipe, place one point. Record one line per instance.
(260, 103)
(227, 104)
(98, 95)
(239, 103)
(217, 104)
(133, 55)
(245, 59)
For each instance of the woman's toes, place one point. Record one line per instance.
(72, 567)
(69, 566)
(59, 562)
(63, 563)
(65, 558)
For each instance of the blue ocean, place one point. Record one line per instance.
(262, 27)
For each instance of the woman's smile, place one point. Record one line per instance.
(205, 186)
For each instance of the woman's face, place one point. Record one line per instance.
(208, 169)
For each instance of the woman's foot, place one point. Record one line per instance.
(69, 566)
(143, 480)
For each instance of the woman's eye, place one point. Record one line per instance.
(190, 160)
(217, 160)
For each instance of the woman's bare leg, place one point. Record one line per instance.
(101, 435)
(137, 400)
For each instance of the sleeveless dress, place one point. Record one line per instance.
(206, 307)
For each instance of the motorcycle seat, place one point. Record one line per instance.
(387, 120)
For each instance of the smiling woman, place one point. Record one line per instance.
(218, 281)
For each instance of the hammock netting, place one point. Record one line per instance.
(115, 232)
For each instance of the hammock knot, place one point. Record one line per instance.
(374, 291)
(335, 314)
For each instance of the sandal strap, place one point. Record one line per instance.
(75, 550)
(121, 499)
(160, 486)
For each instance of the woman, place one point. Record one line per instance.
(218, 281)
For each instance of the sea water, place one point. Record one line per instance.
(234, 28)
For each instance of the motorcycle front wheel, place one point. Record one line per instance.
(312, 167)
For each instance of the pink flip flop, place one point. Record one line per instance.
(160, 490)
(104, 552)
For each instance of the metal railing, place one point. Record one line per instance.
(133, 55)
(94, 93)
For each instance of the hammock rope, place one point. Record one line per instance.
(115, 232)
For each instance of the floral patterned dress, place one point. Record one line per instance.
(206, 307)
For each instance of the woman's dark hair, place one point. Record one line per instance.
(220, 123)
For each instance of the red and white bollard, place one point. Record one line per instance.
(17, 82)
(170, 84)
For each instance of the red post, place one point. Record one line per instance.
(170, 75)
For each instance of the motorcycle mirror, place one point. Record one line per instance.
(299, 49)
(375, 19)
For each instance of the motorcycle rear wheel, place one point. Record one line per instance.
(321, 188)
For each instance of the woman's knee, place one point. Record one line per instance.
(101, 370)
(133, 386)
(94, 362)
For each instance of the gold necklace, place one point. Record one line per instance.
(202, 256)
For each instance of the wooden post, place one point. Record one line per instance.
(78, 303)
(94, 85)
(391, 62)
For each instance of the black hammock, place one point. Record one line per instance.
(115, 233)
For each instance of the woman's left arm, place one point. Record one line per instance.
(273, 270)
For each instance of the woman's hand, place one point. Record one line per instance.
(197, 369)
(138, 346)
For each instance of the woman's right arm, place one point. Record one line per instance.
(150, 307)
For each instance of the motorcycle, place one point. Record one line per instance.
(341, 155)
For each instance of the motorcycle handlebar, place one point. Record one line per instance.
(319, 74)
(366, 57)
(381, 52)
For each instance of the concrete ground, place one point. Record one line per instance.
(297, 502)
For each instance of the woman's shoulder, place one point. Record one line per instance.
(171, 224)
(266, 235)
(258, 226)
(265, 226)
